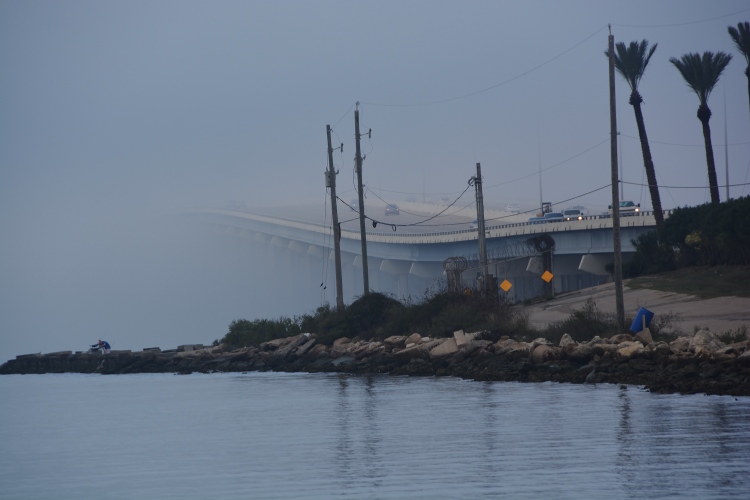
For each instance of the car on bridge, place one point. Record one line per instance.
(627, 208)
(536, 220)
(391, 209)
(553, 217)
(572, 214)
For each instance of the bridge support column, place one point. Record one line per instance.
(399, 271)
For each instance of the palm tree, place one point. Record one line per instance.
(741, 37)
(631, 62)
(701, 73)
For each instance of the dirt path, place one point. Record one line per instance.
(718, 315)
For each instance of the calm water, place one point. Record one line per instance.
(271, 435)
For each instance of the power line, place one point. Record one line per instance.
(687, 187)
(678, 24)
(685, 145)
(551, 166)
(375, 222)
(470, 94)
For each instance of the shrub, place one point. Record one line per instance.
(244, 333)
(583, 325)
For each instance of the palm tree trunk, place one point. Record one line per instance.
(747, 73)
(704, 114)
(648, 163)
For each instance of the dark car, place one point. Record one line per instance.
(391, 209)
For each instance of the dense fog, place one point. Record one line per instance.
(114, 116)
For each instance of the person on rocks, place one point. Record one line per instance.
(104, 346)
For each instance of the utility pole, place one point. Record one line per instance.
(480, 227)
(363, 237)
(619, 300)
(331, 183)
(726, 143)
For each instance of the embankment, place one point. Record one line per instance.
(697, 364)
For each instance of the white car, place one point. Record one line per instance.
(572, 214)
(627, 208)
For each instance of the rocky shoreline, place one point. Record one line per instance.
(697, 364)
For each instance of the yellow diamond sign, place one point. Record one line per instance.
(505, 285)
(547, 276)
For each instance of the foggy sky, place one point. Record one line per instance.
(112, 114)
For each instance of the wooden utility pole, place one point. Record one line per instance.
(480, 228)
(363, 236)
(619, 300)
(331, 183)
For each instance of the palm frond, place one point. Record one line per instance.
(741, 38)
(701, 72)
(631, 61)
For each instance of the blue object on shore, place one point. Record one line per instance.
(638, 324)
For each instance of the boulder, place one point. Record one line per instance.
(412, 352)
(304, 348)
(540, 341)
(597, 340)
(644, 337)
(543, 353)
(626, 350)
(679, 344)
(566, 340)
(446, 348)
(414, 338)
(581, 353)
(706, 340)
(274, 344)
(294, 343)
(604, 348)
(342, 340)
(395, 341)
(661, 349)
(520, 351)
(620, 338)
(471, 337)
(459, 337)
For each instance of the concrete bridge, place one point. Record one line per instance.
(408, 263)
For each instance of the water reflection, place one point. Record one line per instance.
(344, 451)
(625, 461)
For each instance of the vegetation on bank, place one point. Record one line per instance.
(377, 316)
(706, 235)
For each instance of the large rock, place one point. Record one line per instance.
(620, 338)
(274, 344)
(581, 353)
(342, 340)
(446, 348)
(705, 340)
(395, 341)
(566, 340)
(543, 353)
(304, 348)
(680, 344)
(414, 338)
(644, 337)
(626, 350)
(293, 344)
(460, 338)
(419, 351)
